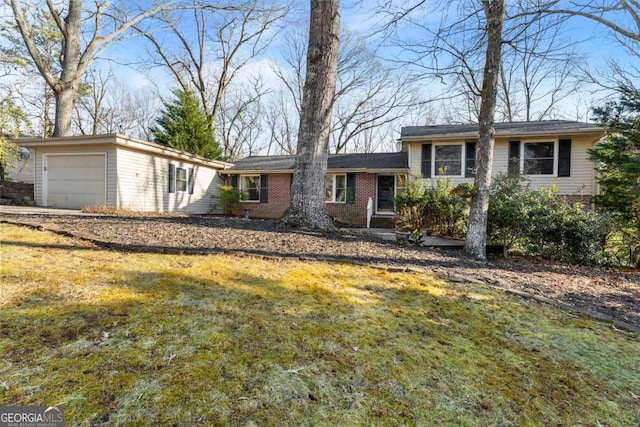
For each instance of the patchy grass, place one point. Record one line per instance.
(139, 339)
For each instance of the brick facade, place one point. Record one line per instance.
(278, 186)
(355, 213)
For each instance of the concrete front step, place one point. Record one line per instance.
(382, 221)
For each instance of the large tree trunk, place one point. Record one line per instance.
(476, 239)
(65, 100)
(67, 87)
(307, 206)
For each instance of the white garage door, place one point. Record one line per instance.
(75, 181)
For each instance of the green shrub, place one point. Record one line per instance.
(444, 211)
(228, 199)
(623, 243)
(410, 205)
(509, 207)
(567, 232)
(541, 223)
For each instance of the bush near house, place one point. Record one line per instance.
(445, 210)
(228, 199)
(525, 221)
(542, 223)
(410, 205)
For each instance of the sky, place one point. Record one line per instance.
(594, 41)
(363, 17)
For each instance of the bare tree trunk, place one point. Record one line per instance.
(47, 128)
(307, 206)
(65, 99)
(475, 243)
(66, 88)
(74, 59)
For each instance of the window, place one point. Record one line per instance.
(181, 179)
(250, 187)
(447, 160)
(24, 154)
(336, 188)
(538, 158)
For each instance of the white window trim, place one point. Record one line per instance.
(333, 188)
(186, 179)
(555, 158)
(243, 191)
(463, 154)
(186, 168)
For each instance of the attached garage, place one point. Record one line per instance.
(121, 172)
(74, 181)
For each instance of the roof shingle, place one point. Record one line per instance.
(502, 129)
(373, 161)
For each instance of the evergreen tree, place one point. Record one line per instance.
(184, 125)
(617, 157)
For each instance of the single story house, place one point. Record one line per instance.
(351, 180)
(122, 172)
(545, 152)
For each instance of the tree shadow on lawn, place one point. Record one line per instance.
(341, 350)
(446, 261)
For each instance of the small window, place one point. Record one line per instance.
(336, 188)
(448, 160)
(250, 187)
(24, 154)
(538, 158)
(181, 179)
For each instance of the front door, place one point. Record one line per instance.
(386, 193)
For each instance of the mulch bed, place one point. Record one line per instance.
(605, 293)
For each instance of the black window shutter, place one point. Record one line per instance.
(470, 163)
(263, 188)
(514, 158)
(190, 183)
(234, 181)
(172, 178)
(351, 187)
(426, 161)
(564, 157)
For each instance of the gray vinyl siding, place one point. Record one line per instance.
(38, 155)
(143, 184)
(581, 181)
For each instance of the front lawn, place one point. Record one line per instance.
(139, 339)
